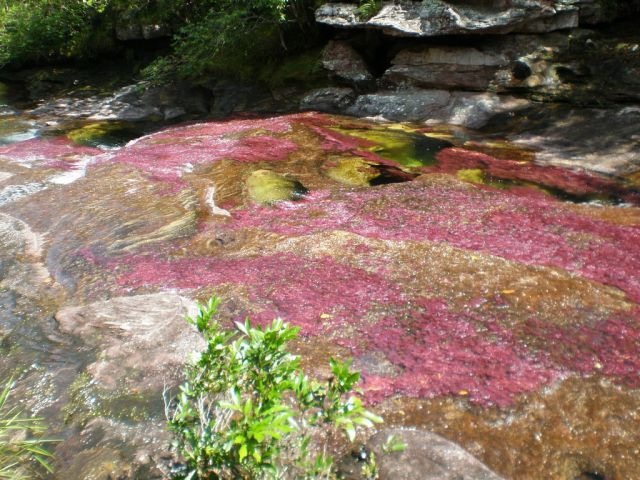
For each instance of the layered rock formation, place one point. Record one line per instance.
(515, 68)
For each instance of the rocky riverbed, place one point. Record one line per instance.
(462, 220)
(486, 286)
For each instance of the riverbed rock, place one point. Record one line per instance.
(478, 298)
(142, 341)
(427, 456)
(267, 187)
(329, 99)
(105, 448)
(436, 18)
(343, 62)
(468, 109)
(575, 138)
(465, 68)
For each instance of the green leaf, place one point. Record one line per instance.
(242, 452)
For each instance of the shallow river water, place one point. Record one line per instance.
(483, 296)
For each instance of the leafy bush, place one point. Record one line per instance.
(246, 409)
(235, 38)
(21, 448)
(36, 31)
(220, 37)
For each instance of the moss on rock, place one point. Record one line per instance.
(266, 187)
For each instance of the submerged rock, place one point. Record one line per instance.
(142, 340)
(103, 134)
(351, 171)
(266, 187)
(427, 456)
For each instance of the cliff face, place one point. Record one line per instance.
(539, 50)
(515, 67)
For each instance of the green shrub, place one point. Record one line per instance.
(21, 448)
(246, 410)
(37, 31)
(235, 38)
(231, 38)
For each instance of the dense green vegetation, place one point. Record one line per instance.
(234, 37)
(246, 410)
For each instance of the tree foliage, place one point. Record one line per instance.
(232, 37)
(36, 31)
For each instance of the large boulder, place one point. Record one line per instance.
(449, 67)
(132, 103)
(437, 17)
(330, 99)
(345, 63)
(597, 139)
(583, 67)
(409, 454)
(468, 109)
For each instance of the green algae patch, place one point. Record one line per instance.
(407, 148)
(479, 176)
(267, 187)
(353, 171)
(103, 134)
(472, 175)
(88, 400)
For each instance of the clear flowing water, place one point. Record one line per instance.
(486, 297)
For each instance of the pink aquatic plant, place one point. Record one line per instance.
(57, 153)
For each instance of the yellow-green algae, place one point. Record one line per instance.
(103, 133)
(266, 187)
(472, 175)
(353, 171)
(407, 148)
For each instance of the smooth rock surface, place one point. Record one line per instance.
(448, 67)
(345, 63)
(602, 140)
(134, 103)
(409, 105)
(142, 341)
(330, 99)
(427, 456)
(468, 109)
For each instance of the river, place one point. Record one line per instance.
(484, 296)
